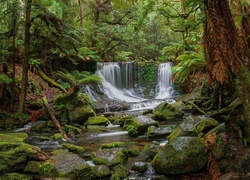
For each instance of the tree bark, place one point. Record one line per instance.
(25, 62)
(57, 124)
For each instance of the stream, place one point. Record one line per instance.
(120, 83)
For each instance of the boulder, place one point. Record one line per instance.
(81, 114)
(110, 157)
(193, 126)
(168, 112)
(97, 120)
(160, 132)
(66, 164)
(182, 155)
(102, 171)
(14, 153)
(139, 125)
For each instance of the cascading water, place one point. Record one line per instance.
(121, 82)
(164, 87)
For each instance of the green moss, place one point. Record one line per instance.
(32, 167)
(16, 176)
(112, 145)
(57, 136)
(119, 172)
(84, 171)
(134, 152)
(47, 169)
(101, 171)
(72, 148)
(97, 120)
(100, 161)
(13, 137)
(71, 129)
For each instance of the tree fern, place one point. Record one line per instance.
(189, 64)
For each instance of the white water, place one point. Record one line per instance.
(121, 82)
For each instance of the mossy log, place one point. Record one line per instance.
(50, 81)
(52, 115)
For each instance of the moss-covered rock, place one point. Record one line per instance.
(66, 164)
(71, 129)
(97, 120)
(110, 157)
(81, 114)
(193, 126)
(16, 176)
(166, 111)
(140, 167)
(182, 155)
(112, 145)
(151, 149)
(160, 132)
(139, 125)
(14, 153)
(133, 152)
(119, 172)
(57, 136)
(73, 148)
(32, 167)
(102, 171)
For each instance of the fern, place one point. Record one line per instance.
(189, 64)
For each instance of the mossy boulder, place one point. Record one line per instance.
(14, 153)
(193, 126)
(81, 114)
(73, 148)
(102, 171)
(71, 129)
(182, 155)
(66, 164)
(140, 167)
(112, 145)
(139, 125)
(168, 112)
(97, 120)
(151, 149)
(110, 157)
(32, 167)
(16, 176)
(119, 172)
(160, 132)
(133, 152)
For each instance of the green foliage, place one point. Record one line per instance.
(189, 64)
(76, 78)
(5, 79)
(132, 130)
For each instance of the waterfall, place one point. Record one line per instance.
(121, 82)
(164, 87)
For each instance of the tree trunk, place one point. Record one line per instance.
(25, 62)
(81, 12)
(242, 84)
(57, 124)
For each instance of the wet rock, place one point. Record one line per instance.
(166, 112)
(193, 126)
(140, 167)
(160, 132)
(182, 155)
(14, 153)
(32, 167)
(73, 148)
(16, 176)
(151, 149)
(81, 114)
(119, 172)
(139, 125)
(66, 164)
(97, 120)
(102, 171)
(110, 157)
(112, 145)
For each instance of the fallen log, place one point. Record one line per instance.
(53, 117)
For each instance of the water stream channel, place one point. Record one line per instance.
(121, 83)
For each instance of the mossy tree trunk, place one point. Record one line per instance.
(242, 84)
(25, 62)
